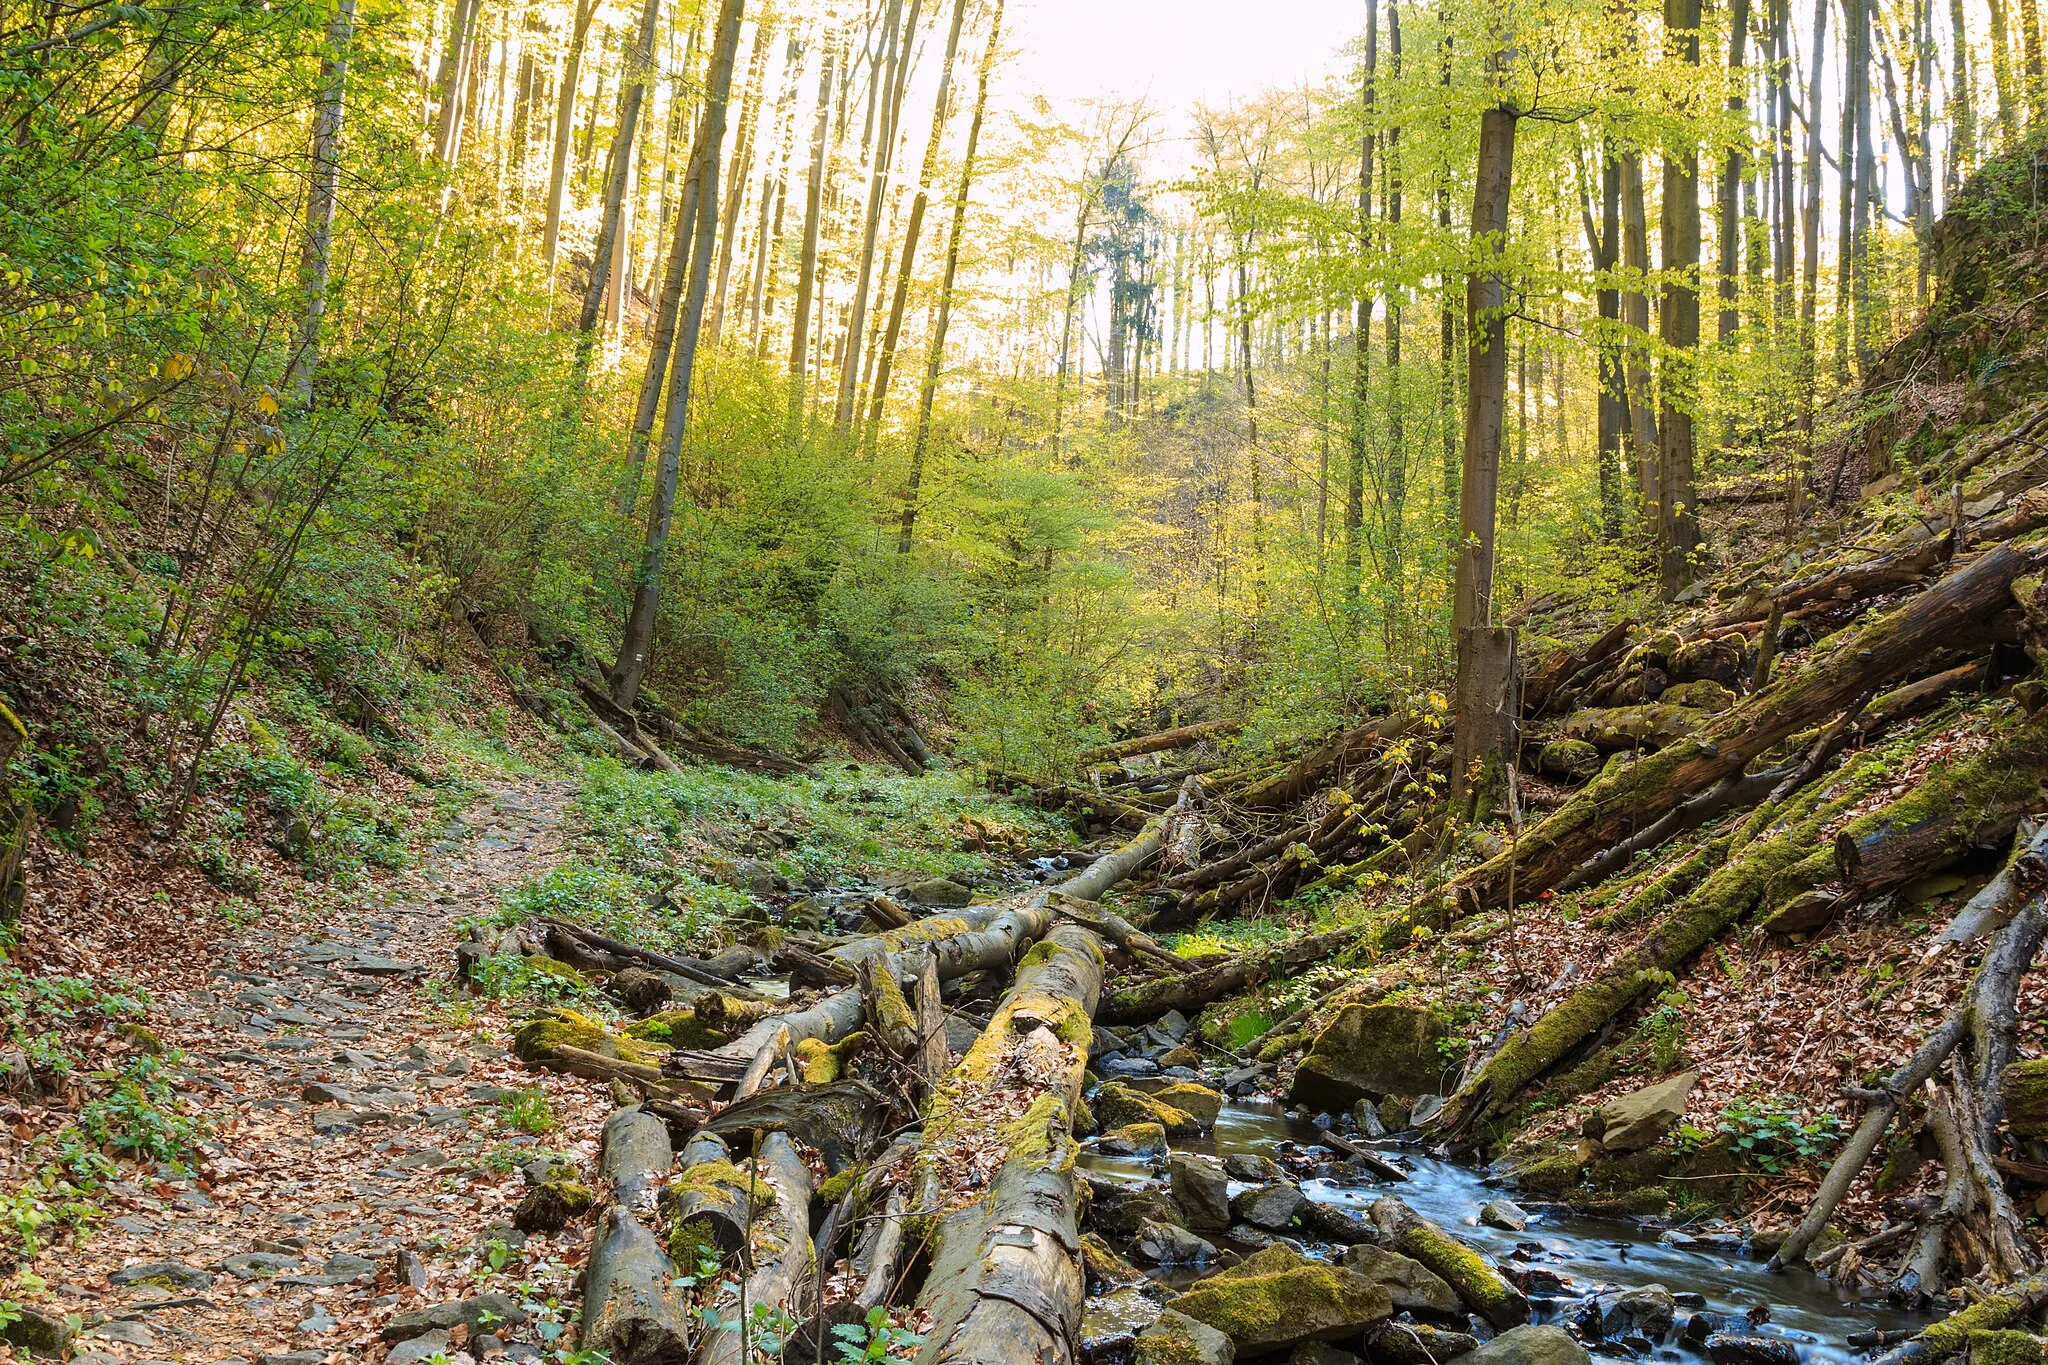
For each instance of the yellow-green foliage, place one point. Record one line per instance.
(678, 1028)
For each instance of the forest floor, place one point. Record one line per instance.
(367, 1127)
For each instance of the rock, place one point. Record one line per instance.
(1711, 660)
(1503, 1213)
(1632, 1122)
(1394, 1113)
(1371, 1051)
(40, 1333)
(292, 1358)
(1332, 1224)
(1250, 1167)
(1200, 1188)
(1416, 1343)
(1703, 694)
(423, 1347)
(1275, 1300)
(1164, 1243)
(1116, 1105)
(329, 1122)
(549, 1207)
(1120, 1068)
(1427, 1107)
(340, 1268)
(1321, 1353)
(1133, 1139)
(1270, 1206)
(1365, 1117)
(1173, 1024)
(1802, 914)
(164, 1272)
(1530, 1345)
(257, 1265)
(1568, 758)
(1123, 1209)
(1647, 1311)
(408, 1269)
(938, 891)
(1199, 1101)
(1243, 1080)
(1179, 1059)
(1729, 1348)
(1111, 1322)
(1412, 1286)
(2026, 1098)
(1103, 1267)
(1174, 1338)
(501, 1309)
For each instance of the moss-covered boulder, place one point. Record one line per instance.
(1530, 1345)
(1704, 695)
(823, 1063)
(1198, 1101)
(551, 1205)
(1276, 1309)
(540, 1037)
(1174, 1338)
(1715, 659)
(39, 1334)
(2026, 1099)
(1412, 1286)
(678, 1028)
(1416, 1343)
(1106, 1269)
(1133, 1139)
(1568, 758)
(1117, 1105)
(1369, 1052)
(1651, 725)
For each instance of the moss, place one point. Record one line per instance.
(1481, 1286)
(836, 1187)
(823, 1063)
(1954, 1332)
(925, 931)
(2006, 1347)
(1264, 1311)
(691, 1243)
(678, 1028)
(550, 1205)
(1135, 1139)
(1198, 1101)
(537, 1038)
(2026, 1098)
(1104, 1266)
(1118, 1105)
(1568, 758)
(1557, 1174)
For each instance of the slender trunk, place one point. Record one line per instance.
(935, 351)
(774, 194)
(1865, 181)
(1733, 168)
(807, 269)
(1479, 769)
(1809, 296)
(1852, 15)
(565, 118)
(1361, 332)
(1635, 316)
(1074, 263)
(321, 190)
(449, 83)
(898, 35)
(2030, 43)
(1395, 517)
(913, 227)
(1678, 529)
(1613, 399)
(1251, 421)
(1961, 106)
(638, 637)
(632, 93)
(742, 171)
(2001, 70)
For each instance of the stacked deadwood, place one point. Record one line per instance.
(818, 1090)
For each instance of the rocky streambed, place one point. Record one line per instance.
(1244, 1230)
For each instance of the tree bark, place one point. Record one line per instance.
(565, 119)
(321, 194)
(807, 269)
(897, 36)
(1678, 528)
(638, 639)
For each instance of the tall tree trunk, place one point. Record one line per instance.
(1635, 315)
(1480, 765)
(807, 268)
(1961, 106)
(1678, 527)
(1613, 400)
(638, 637)
(565, 119)
(1865, 178)
(1733, 167)
(321, 190)
(1251, 422)
(1853, 15)
(632, 93)
(2001, 70)
(1395, 515)
(1809, 296)
(935, 350)
(1361, 333)
(449, 83)
(913, 226)
(775, 191)
(897, 36)
(1075, 261)
(742, 171)
(2030, 44)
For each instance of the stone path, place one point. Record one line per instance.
(368, 1139)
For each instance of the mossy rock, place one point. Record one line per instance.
(2026, 1098)
(1557, 1174)
(1174, 1338)
(537, 1039)
(41, 1334)
(1651, 725)
(1262, 1312)
(678, 1028)
(1118, 1106)
(2007, 1347)
(1568, 758)
(1716, 660)
(823, 1063)
(1134, 1139)
(551, 1205)
(1199, 1101)
(1369, 1052)
(1104, 1266)
(1703, 695)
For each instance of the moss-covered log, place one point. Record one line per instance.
(2014, 1304)
(1620, 801)
(632, 1312)
(782, 1276)
(1955, 810)
(1160, 741)
(1351, 749)
(1005, 1285)
(1485, 1290)
(1190, 992)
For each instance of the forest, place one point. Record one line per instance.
(732, 681)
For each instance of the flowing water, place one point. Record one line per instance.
(1589, 1253)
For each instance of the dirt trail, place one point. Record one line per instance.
(362, 1143)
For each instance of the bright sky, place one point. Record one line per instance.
(1176, 52)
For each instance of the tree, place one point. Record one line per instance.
(322, 187)
(1678, 526)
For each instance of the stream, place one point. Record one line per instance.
(1589, 1254)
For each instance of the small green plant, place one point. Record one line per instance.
(1773, 1133)
(1664, 1028)
(872, 1340)
(1247, 1028)
(530, 1111)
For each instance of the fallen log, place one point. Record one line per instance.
(1616, 803)
(1485, 1290)
(1951, 1336)
(702, 973)
(1204, 985)
(780, 1282)
(632, 1313)
(634, 1156)
(1301, 778)
(1159, 742)
(1006, 1282)
(1565, 666)
(2023, 875)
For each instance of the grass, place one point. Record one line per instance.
(530, 1111)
